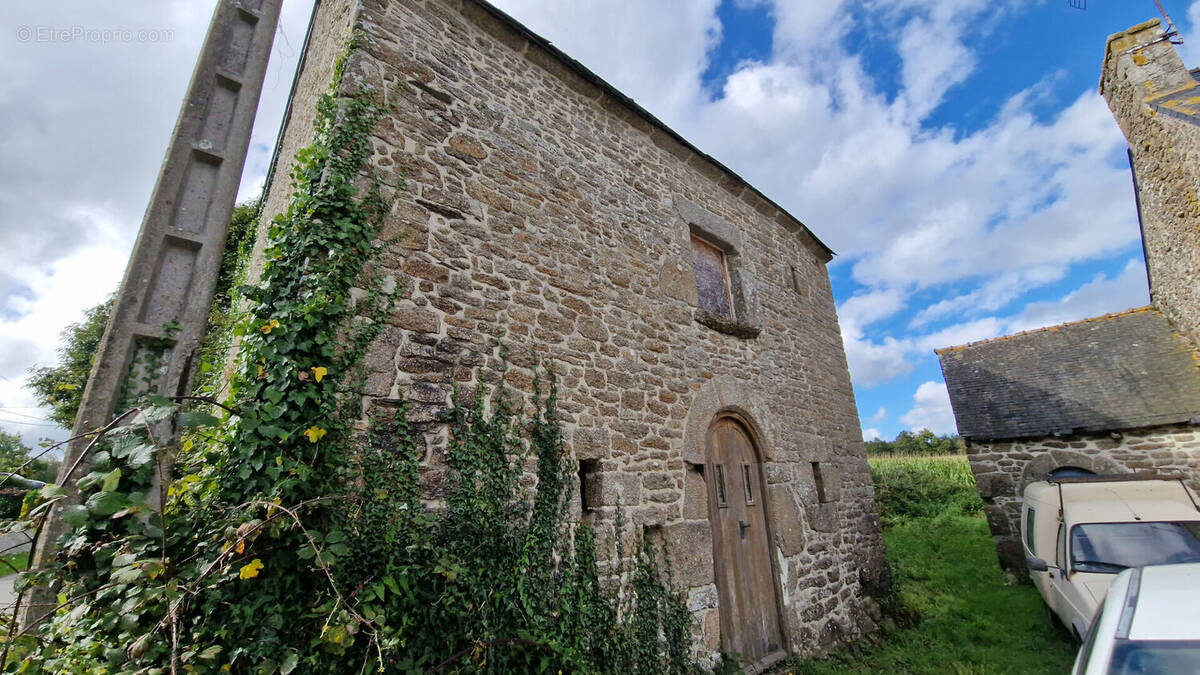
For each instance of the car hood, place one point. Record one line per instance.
(1093, 587)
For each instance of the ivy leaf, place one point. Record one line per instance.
(124, 444)
(106, 503)
(126, 575)
(289, 663)
(74, 515)
(251, 569)
(198, 419)
(210, 653)
(141, 455)
(111, 480)
(159, 413)
(51, 491)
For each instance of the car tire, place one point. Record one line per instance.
(1058, 623)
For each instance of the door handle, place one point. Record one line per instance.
(742, 525)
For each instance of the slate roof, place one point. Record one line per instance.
(1118, 371)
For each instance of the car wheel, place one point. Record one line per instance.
(1058, 624)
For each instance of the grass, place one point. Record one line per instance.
(964, 616)
(19, 561)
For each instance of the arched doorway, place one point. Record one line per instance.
(745, 575)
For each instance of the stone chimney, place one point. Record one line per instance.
(1156, 102)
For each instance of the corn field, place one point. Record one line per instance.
(922, 486)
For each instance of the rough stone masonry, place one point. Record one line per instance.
(1153, 98)
(534, 202)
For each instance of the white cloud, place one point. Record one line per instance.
(655, 52)
(931, 409)
(992, 295)
(871, 435)
(1099, 296)
(880, 415)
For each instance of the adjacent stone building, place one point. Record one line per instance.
(1117, 393)
(703, 383)
(1156, 102)
(1113, 394)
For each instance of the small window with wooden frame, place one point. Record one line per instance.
(724, 300)
(712, 278)
(719, 472)
(748, 475)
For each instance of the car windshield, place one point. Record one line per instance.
(1111, 547)
(1138, 657)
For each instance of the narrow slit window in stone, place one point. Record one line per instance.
(712, 278)
(820, 481)
(719, 476)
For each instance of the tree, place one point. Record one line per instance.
(923, 442)
(14, 454)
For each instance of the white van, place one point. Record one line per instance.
(1080, 531)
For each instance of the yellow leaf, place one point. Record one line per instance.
(67, 386)
(314, 434)
(319, 372)
(250, 570)
(269, 326)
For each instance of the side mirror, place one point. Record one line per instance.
(1036, 564)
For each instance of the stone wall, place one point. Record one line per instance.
(1139, 68)
(1004, 468)
(538, 208)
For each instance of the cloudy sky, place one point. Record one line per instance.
(954, 153)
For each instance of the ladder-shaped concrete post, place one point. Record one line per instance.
(162, 309)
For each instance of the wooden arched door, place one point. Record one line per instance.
(750, 624)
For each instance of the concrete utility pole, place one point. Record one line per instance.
(161, 311)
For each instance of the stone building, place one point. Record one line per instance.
(1153, 97)
(1112, 394)
(1117, 393)
(703, 384)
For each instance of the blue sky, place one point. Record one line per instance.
(954, 153)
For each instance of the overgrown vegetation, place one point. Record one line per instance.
(223, 316)
(282, 541)
(924, 487)
(955, 610)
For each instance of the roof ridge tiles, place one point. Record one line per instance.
(1051, 329)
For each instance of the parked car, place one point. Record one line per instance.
(1148, 623)
(1079, 532)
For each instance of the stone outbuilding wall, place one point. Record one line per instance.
(1004, 468)
(537, 207)
(1151, 95)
